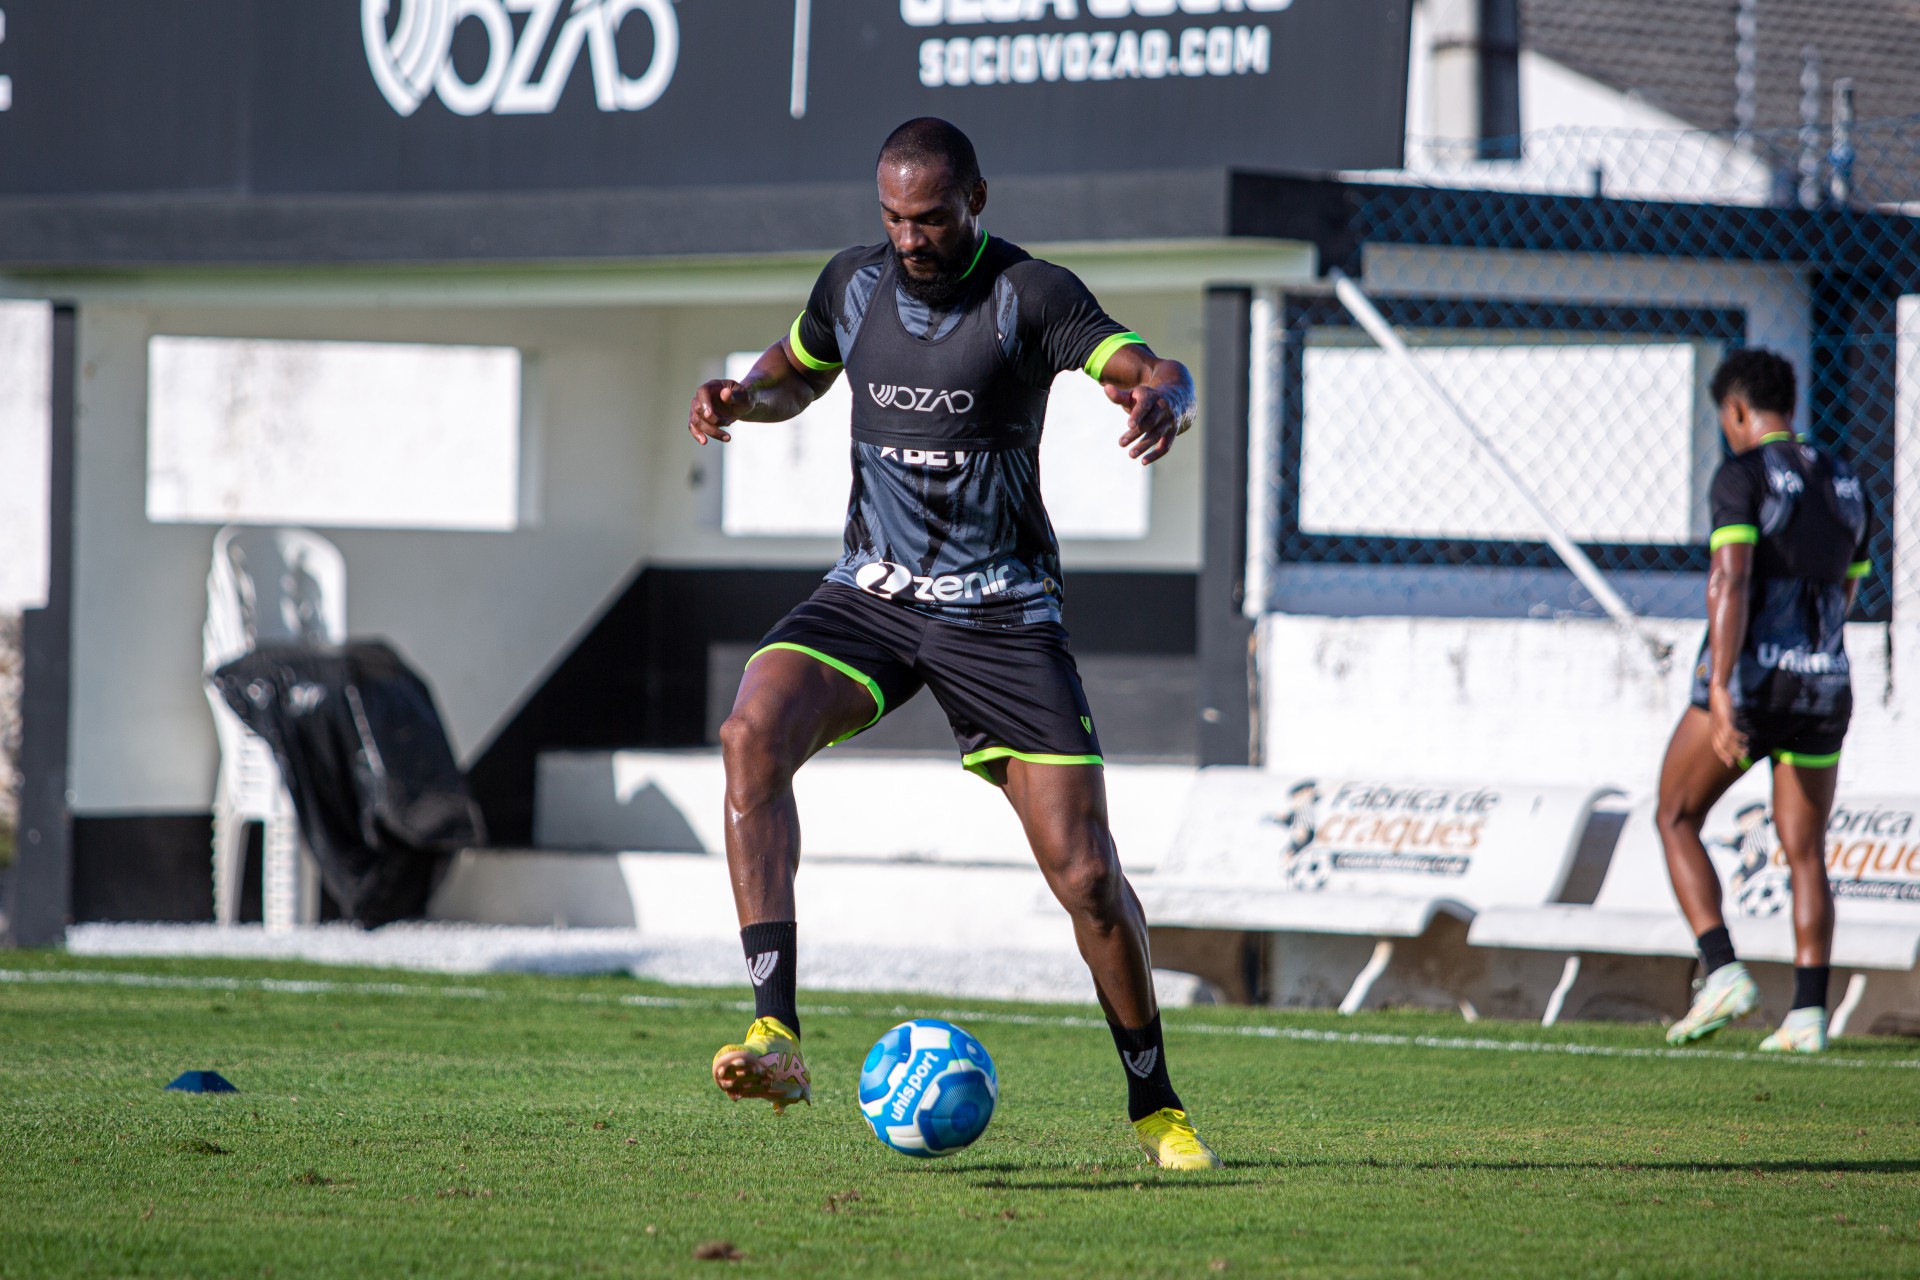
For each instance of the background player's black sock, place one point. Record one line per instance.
(1810, 986)
(1145, 1059)
(1716, 948)
(772, 965)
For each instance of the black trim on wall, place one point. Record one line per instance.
(43, 873)
(54, 233)
(155, 866)
(637, 674)
(1225, 632)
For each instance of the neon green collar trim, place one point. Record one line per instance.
(984, 237)
(1774, 437)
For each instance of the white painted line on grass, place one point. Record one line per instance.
(1307, 1035)
(287, 986)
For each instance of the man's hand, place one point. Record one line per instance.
(717, 405)
(1152, 421)
(1728, 742)
(1157, 395)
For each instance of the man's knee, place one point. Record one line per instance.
(757, 769)
(1674, 817)
(1089, 884)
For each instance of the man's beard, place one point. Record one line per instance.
(938, 291)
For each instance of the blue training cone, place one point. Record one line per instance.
(202, 1082)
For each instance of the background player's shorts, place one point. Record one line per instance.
(1811, 741)
(1008, 691)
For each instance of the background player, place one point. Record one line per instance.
(950, 579)
(1789, 543)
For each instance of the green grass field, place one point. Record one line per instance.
(522, 1126)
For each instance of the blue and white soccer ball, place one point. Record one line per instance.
(928, 1088)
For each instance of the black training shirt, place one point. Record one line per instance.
(945, 514)
(1803, 512)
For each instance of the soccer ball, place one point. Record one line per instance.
(1308, 872)
(1767, 894)
(928, 1088)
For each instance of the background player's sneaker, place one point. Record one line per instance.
(767, 1065)
(1719, 998)
(1170, 1142)
(1804, 1031)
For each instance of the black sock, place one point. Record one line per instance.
(1810, 986)
(1145, 1059)
(772, 965)
(1716, 948)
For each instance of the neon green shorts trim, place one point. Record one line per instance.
(1801, 760)
(852, 673)
(977, 761)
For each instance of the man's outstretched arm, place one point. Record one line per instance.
(778, 387)
(1156, 393)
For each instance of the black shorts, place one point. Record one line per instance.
(1009, 692)
(1811, 741)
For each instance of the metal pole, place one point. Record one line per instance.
(802, 36)
(1840, 155)
(1557, 537)
(1809, 127)
(1746, 65)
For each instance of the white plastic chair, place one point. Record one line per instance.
(267, 586)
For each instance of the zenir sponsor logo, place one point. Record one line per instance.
(416, 57)
(886, 579)
(921, 399)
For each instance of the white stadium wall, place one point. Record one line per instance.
(611, 482)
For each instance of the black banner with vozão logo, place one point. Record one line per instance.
(238, 97)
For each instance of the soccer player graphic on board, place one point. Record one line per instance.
(1790, 534)
(950, 580)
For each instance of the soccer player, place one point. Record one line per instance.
(1790, 531)
(950, 580)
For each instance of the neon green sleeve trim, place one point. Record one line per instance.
(799, 349)
(1801, 760)
(852, 673)
(1097, 362)
(977, 761)
(1728, 534)
(1860, 568)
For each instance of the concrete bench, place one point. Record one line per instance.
(886, 809)
(1378, 859)
(900, 852)
(1874, 867)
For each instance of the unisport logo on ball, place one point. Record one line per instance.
(928, 1088)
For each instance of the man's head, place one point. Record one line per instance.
(1754, 390)
(931, 195)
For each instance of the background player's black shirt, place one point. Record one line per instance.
(945, 514)
(1807, 520)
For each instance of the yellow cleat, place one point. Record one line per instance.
(768, 1065)
(1170, 1142)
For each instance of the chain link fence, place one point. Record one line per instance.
(1575, 303)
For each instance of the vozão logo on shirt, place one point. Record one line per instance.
(416, 59)
(921, 399)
